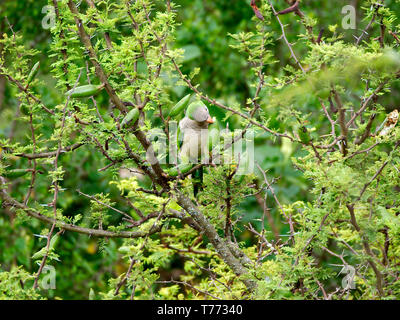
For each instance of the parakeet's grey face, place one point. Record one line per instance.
(198, 112)
(201, 114)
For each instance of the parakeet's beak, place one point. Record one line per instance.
(210, 120)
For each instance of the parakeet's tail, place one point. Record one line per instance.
(197, 181)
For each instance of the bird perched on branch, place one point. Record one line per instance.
(194, 128)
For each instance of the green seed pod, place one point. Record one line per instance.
(183, 168)
(16, 173)
(53, 241)
(132, 115)
(304, 135)
(33, 73)
(42, 252)
(24, 108)
(85, 91)
(180, 106)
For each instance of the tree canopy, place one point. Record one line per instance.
(96, 201)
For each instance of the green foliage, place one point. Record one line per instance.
(81, 172)
(14, 285)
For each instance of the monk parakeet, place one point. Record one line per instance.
(194, 128)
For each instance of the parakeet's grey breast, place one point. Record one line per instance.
(195, 134)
